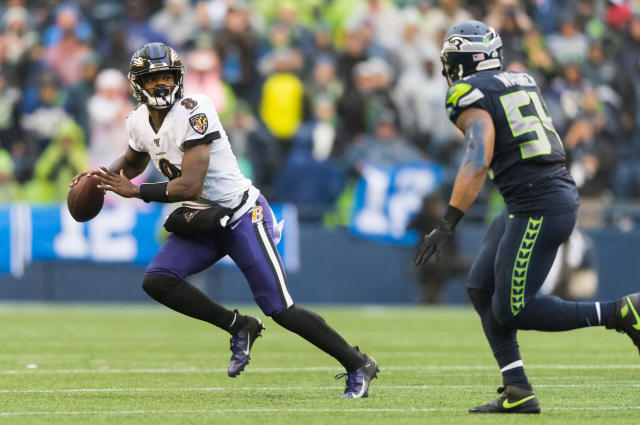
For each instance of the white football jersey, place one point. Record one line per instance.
(191, 121)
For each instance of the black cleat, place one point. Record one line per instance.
(241, 344)
(514, 399)
(358, 381)
(627, 318)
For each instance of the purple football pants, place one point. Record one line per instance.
(249, 243)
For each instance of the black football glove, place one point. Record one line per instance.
(434, 242)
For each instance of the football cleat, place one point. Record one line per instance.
(358, 381)
(514, 399)
(241, 344)
(627, 318)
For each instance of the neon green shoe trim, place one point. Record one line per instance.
(635, 314)
(507, 405)
(624, 311)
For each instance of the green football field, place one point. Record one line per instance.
(67, 364)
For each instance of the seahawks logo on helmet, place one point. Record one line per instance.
(469, 47)
(155, 57)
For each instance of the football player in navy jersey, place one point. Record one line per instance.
(510, 137)
(222, 214)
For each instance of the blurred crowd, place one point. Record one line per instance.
(310, 90)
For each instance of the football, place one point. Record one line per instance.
(85, 199)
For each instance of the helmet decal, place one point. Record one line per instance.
(468, 47)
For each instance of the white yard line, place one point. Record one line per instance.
(299, 388)
(310, 369)
(262, 411)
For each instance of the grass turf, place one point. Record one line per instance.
(62, 364)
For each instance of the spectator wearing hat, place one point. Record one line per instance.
(177, 20)
(419, 96)
(438, 18)
(353, 52)
(321, 43)
(282, 106)
(282, 109)
(137, 27)
(68, 48)
(568, 45)
(236, 45)
(385, 21)
(384, 148)
(64, 157)
(108, 107)
(323, 81)
(78, 94)
(17, 41)
(204, 77)
(42, 112)
(360, 105)
(409, 52)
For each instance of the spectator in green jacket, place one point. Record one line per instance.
(9, 187)
(64, 157)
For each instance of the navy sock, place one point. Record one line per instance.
(502, 340)
(550, 313)
(508, 356)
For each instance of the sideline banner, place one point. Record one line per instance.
(387, 198)
(119, 234)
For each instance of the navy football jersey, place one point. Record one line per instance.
(528, 164)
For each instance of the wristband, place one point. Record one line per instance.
(154, 192)
(452, 216)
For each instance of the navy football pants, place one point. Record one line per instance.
(515, 258)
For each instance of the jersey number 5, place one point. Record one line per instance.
(520, 124)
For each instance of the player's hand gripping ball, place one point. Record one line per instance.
(85, 199)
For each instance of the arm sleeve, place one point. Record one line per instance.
(202, 125)
(465, 95)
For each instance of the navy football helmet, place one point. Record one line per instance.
(155, 57)
(470, 46)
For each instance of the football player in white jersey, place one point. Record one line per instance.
(222, 214)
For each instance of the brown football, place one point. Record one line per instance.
(85, 199)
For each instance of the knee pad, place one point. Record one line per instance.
(156, 284)
(480, 298)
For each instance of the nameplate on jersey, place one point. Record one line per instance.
(199, 123)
